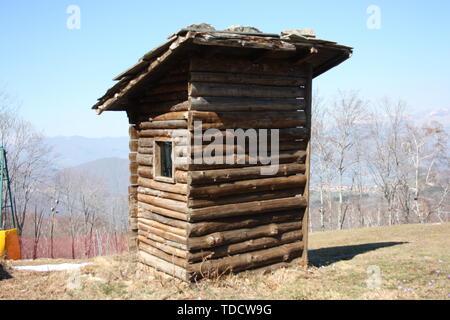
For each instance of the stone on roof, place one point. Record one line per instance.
(293, 34)
(201, 27)
(242, 28)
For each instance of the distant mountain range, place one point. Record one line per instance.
(112, 172)
(104, 159)
(441, 115)
(76, 150)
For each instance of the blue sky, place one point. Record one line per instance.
(57, 73)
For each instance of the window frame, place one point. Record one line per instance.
(157, 160)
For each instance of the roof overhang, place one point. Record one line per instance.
(321, 54)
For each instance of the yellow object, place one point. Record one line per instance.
(9, 243)
(2, 243)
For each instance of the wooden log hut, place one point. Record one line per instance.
(194, 219)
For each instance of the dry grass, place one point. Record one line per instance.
(414, 261)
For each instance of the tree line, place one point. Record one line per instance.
(374, 165)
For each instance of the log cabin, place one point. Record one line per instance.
(201, 205)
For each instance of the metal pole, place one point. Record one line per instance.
(11, 203)
(2, 151)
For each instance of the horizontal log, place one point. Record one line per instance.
(238, 161)
(144, 159)
(243, 78)
(176, 77)
(179, 188)
(246, 208)
(170, 133)
(166, 220)
(199, 89)
(179, 115)
(159, 239)
(166, 88)
(239, 262)
(207, 148)
(163, 124)
(163, 255)
(245, 120)
(218, 104)
(233, 236)
(247, 197)
(170, 204)
(224, 175)
(146, 142)
(163, 266)
(254, 185)
(203, 228)
(161, 226)
(164, 247)
(245, 246)
(145, 171)
(222, 63)
(144, 207)
(145, 150)
(162, 194)
(285, 134)
(163, 234)
(165, 97)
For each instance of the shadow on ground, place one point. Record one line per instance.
(4, 274)
(327, 256)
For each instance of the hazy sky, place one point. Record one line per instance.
(57, 74)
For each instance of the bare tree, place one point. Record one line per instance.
(385, 159)
(38, 219)
(28, 156)
(346, 112)
(424, 144)
(322, 156)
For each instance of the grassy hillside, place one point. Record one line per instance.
(413, 261)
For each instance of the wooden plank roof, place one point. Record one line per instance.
(152, 64)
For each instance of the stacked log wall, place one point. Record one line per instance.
(241, 219)
(223, 217)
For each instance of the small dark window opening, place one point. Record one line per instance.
(165, 158)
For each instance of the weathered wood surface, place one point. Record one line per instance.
(163, 266)
(238, 235)
(245, 197)
(164, 124)
(163, 247)
(246, 208)
(144, 160)
(179, 188)
(230, 104)
(207, 227)
(162, 194)
(239, 262)
(242, 65)
(199, 89)
(243, 78)
(254, 185)
(245, 120)
(244, 246)
(145, 207)
(227, 175)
